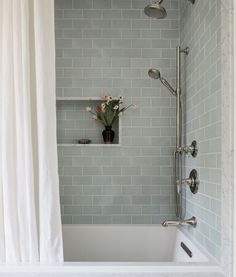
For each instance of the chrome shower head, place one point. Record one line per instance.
(156, 74)
(155, 10)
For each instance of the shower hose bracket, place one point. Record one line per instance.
(189, 149)
(185, 50)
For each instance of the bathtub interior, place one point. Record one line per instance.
(112, 243)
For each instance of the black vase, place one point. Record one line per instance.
(108, 135)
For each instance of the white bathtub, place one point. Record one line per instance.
(127, 243)
(123, 251)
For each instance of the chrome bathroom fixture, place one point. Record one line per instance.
(155, 74)
(191, 221)
(155, 9)
(179, 150)
(192, 181)
(189, 149)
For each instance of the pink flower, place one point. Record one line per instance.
(98, 109)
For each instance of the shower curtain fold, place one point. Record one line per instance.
(30, 222)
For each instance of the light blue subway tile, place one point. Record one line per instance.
(62, 4)
(81, 4)
(82, 219)
(112, 190)
(92, 53)
(92, 33)
(141, 199)
(82, 180)
(92, 210)
(140, 24)
(111, 170)
(101, 62)
(130, 33)
(121, 219)
(92, 190)
(73, 53)
(131, 170)
(141, 180)
(102, 219)
(81, 43)
(167, 209)
(161, 199)
(132, 210)
(112, 14)
(72, 190)
(72, 210)
(66, 200)
(132, 190)
(134, 14)
(63, 43)
(72, 14)
(121, 200)
(82, 200)
(66, 219)
(111, 210)
(108, 33)
(74, 171)
(102, 43)
(101, 180)
(143, 219)
(65, 180)
(101, 23)
(153, 209)
(151, 190)
(121, 180)
(65, 161)
(72, 72)
(152, 53)
(103, 200)
(58, 13)
(102, 4)
(92, 14)
(121, 4)
(92, 170)
(131, 53)
(62, 24)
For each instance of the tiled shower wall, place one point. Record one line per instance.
(201, 31)
(107, 47)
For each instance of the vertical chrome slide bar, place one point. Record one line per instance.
(177, 156)
(178, 161)
(178, 94)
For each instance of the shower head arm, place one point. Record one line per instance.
(167, 85)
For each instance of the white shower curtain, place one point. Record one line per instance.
(30, 224)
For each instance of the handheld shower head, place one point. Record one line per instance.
(167, 85)
(155, 10)
(156, 74)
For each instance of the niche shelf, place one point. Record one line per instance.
(74, 123)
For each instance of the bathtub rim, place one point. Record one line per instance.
(113, 267)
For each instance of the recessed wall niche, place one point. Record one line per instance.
(75, 123)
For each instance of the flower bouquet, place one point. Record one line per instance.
(108, 112)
